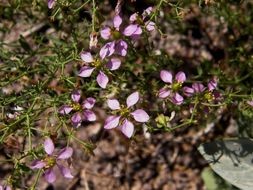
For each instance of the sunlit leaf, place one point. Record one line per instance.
(232, 160)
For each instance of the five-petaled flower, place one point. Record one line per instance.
(83, 111)
(171, 88)
(102, 78)
(122, 115)
(118, 46)
(52, 160)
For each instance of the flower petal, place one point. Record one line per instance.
(132, 99)
(85, 71)
(37, 164)
(166, 76)
(88, 103)
(65, 171)
(188, 91)
(140, 115)
(87, 57)
(65, 153)
(177, 99)
(117, 21)
(102, 79)
(89, 115)
(150, 26)
(76, 119)
(48, 146)
(50, 175)
(111, 122)
(106, 33)
(212, 84)
(147, 12)
(132, 29)
(113, 104)
(107, 50)
(133, 17)
(127, 128)
(180, 77)
(113, 64)
(121, 48)
(65, 109)
(76, 95)
(164, 93)
(50, 3)
(198, 87)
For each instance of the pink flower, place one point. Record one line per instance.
(171, 88)
(102, 78)
(134, 30)
(52, 160)
(123, 114)
(83, 111)
(118, 45)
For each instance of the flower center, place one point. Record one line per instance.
(116, 35)
(208, 96)
(76, 107)
(124, 112)
(139, 20)
(176, 86)
(50, 162)
(97, 63)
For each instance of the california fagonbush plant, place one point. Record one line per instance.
(89, 62)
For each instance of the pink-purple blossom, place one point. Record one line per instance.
(83, 110)
(172, 87)
(53, 160)
(118, 45)
(102, 78)
(123, 115)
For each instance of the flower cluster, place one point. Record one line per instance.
(115, 46)
(52, 160)
(83, 111)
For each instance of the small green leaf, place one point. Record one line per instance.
(232, 160)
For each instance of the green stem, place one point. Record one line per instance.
(36, 180)
(81, 6)
(93, 15)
